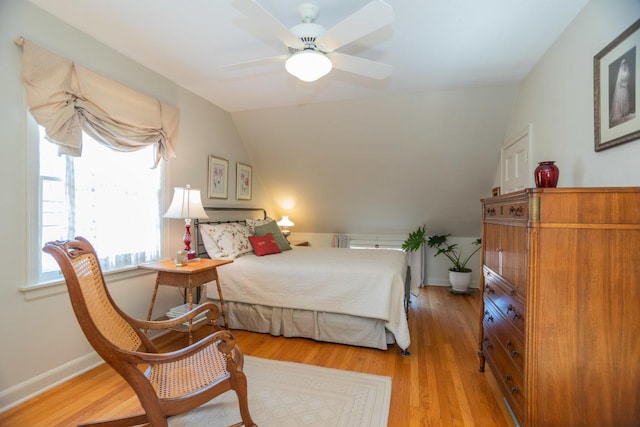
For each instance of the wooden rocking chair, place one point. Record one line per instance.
(166, 383)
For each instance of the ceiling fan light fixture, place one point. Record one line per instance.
(308, 65)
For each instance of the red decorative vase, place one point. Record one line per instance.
(546, 174)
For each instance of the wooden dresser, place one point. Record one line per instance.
(561, 310)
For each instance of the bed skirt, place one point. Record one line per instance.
(319, 326)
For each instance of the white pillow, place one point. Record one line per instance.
(231, 240)
(209, 244)
(253, 223)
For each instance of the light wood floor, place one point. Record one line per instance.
(437, 385)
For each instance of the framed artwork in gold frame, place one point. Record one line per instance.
(243, 181)
(218, 178)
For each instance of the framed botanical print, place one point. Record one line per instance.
(243, 181)
(615, 89)
(218, 178)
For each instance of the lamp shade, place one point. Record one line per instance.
(186, 203)
(308, 65)
(285, 222)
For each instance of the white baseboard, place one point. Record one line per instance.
(26, 390)
(20, 393)
(445, 283)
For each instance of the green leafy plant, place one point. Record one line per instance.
(453, 252)
(415, 240)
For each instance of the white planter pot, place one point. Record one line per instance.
(460, 280)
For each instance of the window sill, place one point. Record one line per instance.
(57, 287)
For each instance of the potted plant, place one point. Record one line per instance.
(459, 274)
(415, 240)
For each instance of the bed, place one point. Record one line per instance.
(349, 296)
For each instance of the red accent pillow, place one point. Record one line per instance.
(264, 245)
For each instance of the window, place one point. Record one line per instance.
(375, 242)
(111, 198)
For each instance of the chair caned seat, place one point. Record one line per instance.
(175, 379)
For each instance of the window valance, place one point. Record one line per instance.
(66, 98)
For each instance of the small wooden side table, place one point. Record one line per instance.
(190, 276)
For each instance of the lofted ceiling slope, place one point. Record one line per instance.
(382, 165)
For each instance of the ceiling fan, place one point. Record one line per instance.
(312, 48)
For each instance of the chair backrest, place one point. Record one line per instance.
(103, 323)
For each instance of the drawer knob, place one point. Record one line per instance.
(514, 354)
(489, 289)
(515, 315)
(507, 380)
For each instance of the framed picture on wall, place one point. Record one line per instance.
(615, 89)
(218, 178)
(243, 181)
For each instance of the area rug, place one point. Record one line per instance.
(285, 394)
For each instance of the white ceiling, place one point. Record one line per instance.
(432, 44)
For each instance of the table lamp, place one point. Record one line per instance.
(186, 204)
(284, 225)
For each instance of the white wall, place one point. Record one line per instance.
(557, 99)
(382, 165)
(41, 342)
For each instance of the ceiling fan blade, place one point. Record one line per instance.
(254, 62)
(361, 66)
(240, 70)
(269, 23)
(370, 18)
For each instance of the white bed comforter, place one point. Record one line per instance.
(358, 282)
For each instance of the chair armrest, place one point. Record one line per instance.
(224, 340)
(213, 313)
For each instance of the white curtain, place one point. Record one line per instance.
(66, 98)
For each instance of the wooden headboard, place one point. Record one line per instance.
(221, 215)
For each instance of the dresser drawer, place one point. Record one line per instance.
(511, 210)
(504, 335)
(509, 378)
(507, 300)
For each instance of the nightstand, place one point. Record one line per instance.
(190, 276)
